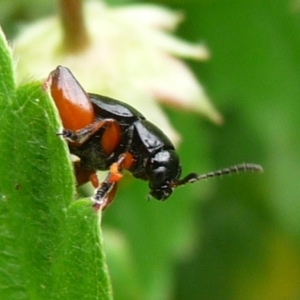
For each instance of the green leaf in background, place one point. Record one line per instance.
(250, 225)
(39, 227)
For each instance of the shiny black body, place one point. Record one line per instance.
(155, 158)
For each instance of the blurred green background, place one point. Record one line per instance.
(231, 238)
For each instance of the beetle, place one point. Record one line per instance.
(107, 134)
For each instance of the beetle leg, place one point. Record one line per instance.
(114, 171)
(114, 175)
(83, 176)
(82, 135)
(125, 161)
(102, 195)
(94, 180)
(105, 193)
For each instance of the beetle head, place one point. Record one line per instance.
(163, 169)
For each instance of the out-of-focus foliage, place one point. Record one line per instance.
(242, 237)
(250, 229)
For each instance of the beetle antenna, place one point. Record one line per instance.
(193, 177)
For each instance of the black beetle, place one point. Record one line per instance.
(107, 134)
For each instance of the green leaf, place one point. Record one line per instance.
(7, 83)
(36, 191)
(80, 271)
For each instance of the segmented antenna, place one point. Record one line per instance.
(245, 167)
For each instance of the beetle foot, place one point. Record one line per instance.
(98, 204)
(104, 195)
(100, 198)
(69, 135)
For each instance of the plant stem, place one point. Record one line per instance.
(75, 37)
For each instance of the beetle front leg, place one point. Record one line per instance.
(106, 191)
(104, 195)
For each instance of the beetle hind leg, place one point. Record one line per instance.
(82, 135)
